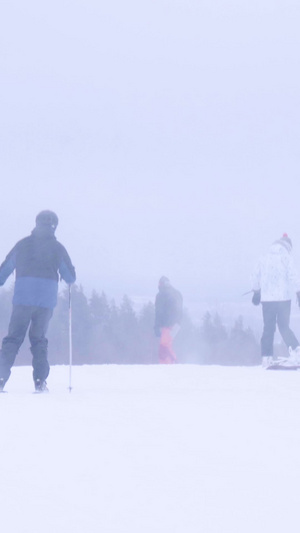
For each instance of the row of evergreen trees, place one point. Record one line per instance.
(104, 332)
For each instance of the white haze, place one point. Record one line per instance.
(165, 134)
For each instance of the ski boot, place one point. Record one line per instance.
(294, 355)
(267, 360)
(40, 386)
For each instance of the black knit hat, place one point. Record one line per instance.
(47, 219)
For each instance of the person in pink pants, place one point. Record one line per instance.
(168, 316)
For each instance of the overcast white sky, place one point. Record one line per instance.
(164, 133)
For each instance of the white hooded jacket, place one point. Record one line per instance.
(275, 275)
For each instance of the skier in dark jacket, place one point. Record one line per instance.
(168, 316)
(38, 260)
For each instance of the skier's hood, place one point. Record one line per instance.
(164, 283)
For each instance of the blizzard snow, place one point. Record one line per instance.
(144, 449)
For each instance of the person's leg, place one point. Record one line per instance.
(39, 344)
(269, 310)
(166, 352)
(19, 322)
(283, 321)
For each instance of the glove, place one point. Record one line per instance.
(298, 297)
(157, 331)
(256, 297)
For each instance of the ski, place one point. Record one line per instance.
(42, 391)
(280, 366)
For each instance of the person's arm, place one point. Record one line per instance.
(66, 269)
(8, 266)
(256, 286)
(294, 278)
(158, 315)
(293, 274)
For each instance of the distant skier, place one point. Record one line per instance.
(37, 260)
(168, 316)
(274, 280)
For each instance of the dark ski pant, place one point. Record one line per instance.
(276, 313)
(22, 316)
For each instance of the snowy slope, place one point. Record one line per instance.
(144, 449)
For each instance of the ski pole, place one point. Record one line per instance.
(70, 341)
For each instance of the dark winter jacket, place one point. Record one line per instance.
(168, 307)
(38, 261)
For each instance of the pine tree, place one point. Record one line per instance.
(214, 335)
(243, 349)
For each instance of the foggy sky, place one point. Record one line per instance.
(164, 133)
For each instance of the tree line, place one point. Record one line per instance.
(106, 333)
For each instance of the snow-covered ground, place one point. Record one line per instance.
(147, 449)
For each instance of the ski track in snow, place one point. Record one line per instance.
(145, 449)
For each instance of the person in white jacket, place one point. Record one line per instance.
(274, 282)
